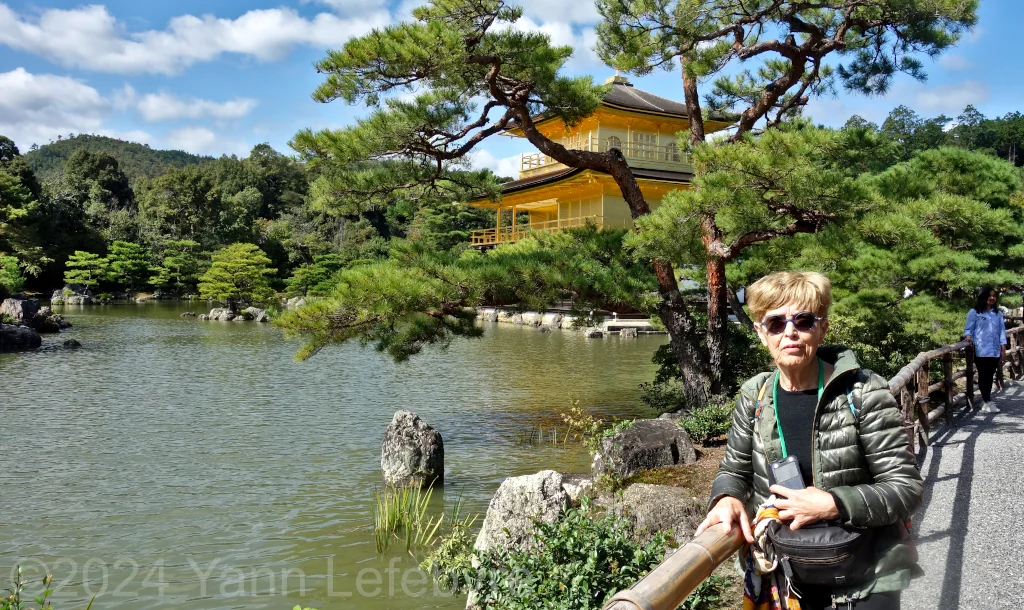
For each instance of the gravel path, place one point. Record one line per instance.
(970, 529)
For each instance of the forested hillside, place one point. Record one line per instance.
(137, 161)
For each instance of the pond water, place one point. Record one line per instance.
(171, 461)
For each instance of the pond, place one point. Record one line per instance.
(171, 461)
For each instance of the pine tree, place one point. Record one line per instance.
(129, 264)
(179, 269)
(237, 276)
(86, 269)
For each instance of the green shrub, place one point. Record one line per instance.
(575, 563)
(708, 422)
(452, 556)
(707, 596)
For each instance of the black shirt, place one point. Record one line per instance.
(796, 417)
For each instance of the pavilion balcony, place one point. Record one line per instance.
(638, 154)
(509, 234)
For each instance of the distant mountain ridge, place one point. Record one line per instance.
(138, 161)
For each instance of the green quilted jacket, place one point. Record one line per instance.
(866, 463)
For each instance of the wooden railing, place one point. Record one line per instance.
(490, 237)
(670, 155)
(914, 387)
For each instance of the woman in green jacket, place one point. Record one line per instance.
(856, 462)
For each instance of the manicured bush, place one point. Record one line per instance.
(708, 422)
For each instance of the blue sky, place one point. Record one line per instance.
(219, 77)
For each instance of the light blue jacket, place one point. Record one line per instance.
(988, 331)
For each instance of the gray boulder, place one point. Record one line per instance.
(72, 294)
(515, 506)
(593, 333)
(18, 338)
(256, 314)
(45, 321)
(412, 452)
(648, 443)
(20, 311)
(660, 508)
(295, 302)
(628, 333)
(188, 314)
(72, 344)
(221, 314)
(577, 486)
(202, 316)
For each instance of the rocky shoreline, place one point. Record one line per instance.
(627, 479)
(23, 321)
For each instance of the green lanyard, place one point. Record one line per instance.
(775, 402)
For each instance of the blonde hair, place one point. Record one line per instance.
(807, 289)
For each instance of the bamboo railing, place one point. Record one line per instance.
(669, 583)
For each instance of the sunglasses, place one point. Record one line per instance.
(803, 322)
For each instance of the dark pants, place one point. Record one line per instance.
(820, 598)
(986, 371)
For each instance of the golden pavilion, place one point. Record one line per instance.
(641, 125)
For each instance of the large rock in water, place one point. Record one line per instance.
(648, 443)
(72, 295)
(221, 314)
(412, 452)
(20, 311)
(17, 338)
(517, 503)
(256, 314)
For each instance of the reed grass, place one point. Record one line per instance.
(400, 513)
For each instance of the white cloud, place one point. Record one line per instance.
(353, 7)
(38, 108)
(562, 33)
(546, 10)
(90, 38)
(955, 62)
(203, 141)
(507, 166)
(168, 107)
(951, 99)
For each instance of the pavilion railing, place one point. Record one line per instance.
(916, 387)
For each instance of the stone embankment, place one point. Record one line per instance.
(548, 321)
(223, 314)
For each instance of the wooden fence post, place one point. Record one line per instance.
(1011, 356)
(969, 355)
(947, 385)
(907, 405)
(923, 399)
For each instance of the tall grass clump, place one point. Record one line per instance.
(400, 513)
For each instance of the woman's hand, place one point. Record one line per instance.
(804, 506)
(728, 511)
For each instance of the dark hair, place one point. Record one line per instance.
(982, 305)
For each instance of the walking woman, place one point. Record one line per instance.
(820, 412)
(986, 329)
